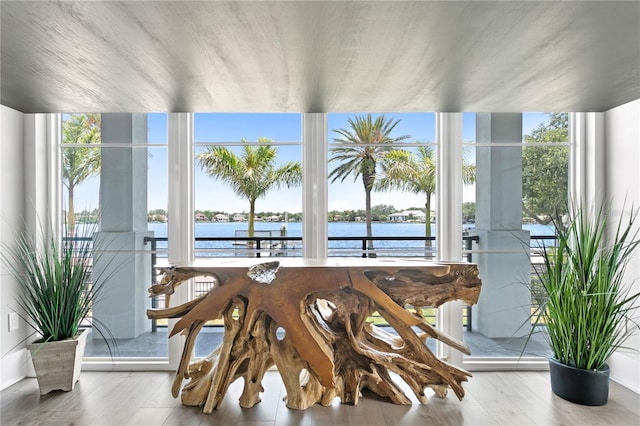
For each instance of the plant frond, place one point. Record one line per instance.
(588, 304)
(58, 288)
(252, 173)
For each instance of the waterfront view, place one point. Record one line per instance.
(398, 246)
(246, 174)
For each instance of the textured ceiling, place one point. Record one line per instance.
(319, 56)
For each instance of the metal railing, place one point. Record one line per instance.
(279, 246)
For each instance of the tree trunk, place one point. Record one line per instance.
(427, 230)
(71, 214)
(251, 230)
(367, 215)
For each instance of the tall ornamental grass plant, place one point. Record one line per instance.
(56, 282)
(590, 306)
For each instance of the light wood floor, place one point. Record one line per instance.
(144, 398)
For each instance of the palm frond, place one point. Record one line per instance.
(252, 173)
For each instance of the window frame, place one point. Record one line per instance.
(586, 135)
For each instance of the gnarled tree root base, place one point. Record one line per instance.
(328, 349)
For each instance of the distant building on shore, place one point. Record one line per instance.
(408, 215)
(222, 218)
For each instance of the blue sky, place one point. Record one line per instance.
(213, 195)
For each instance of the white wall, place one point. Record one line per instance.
(13, 361)
(622, 181)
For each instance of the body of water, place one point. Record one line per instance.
(336, 229)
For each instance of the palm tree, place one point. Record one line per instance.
(361, 146)
(79, 163)
(416, 173)
(252, 174)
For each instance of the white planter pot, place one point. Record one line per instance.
(58, 364)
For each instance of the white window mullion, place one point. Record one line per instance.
(577, 159)
(449, 186)
(180, 178)
(42, 161)
(180, 208)
(449, 218)
(586, 158)
(314, 186)
(54, 156)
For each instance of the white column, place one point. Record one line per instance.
(505, 300)
(123, 173)
(119, 247)
(314, 186)
(449, 218)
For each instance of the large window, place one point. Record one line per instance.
(239, 193)
(248, 195)
(114, 174)
(521, 166)
(382, 174)
(248, 175)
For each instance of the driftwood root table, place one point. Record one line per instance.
(329, 349)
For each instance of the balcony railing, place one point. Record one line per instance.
(291, 246)
(261, 246)
(281, 246)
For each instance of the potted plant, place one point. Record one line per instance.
(588, 301)
(57, 293)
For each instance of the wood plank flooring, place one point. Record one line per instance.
(144, 398)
